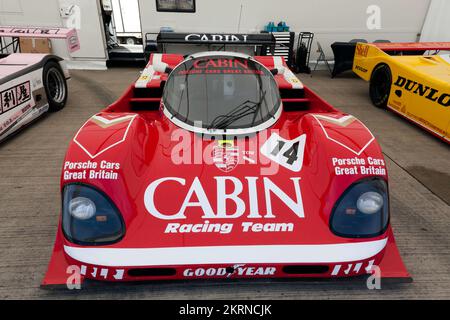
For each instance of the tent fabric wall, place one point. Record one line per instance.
(437, 23)
(330, 20)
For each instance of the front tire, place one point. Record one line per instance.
(380, 85)
(55, 86)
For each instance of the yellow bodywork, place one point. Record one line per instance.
(420, 89)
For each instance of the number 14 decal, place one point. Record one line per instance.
(288, 153)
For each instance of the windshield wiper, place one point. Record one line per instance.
(185, 88)
(246, 108)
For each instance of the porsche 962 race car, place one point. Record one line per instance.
(222, 165)
(31, 83)
(415, 86)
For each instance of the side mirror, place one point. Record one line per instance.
(279, 70)
(162, 67)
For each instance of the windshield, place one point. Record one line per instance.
(221, 92)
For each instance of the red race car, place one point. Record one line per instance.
(222, 165)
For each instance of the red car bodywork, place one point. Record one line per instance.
(132, 147)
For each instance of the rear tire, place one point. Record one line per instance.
(55, 86)
(380, 85)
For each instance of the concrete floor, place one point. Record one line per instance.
(30, 165)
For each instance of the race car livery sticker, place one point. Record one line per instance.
(362, 50)
(226, 228)
(226, 155)
(334, 128)
(431, 126)
(360, 68)
(359, 166)
(101, 273)
(287, 153)
(17, 105)
(288, 75)
(103, 170)
(149, 72)
(240, 270)
(352, 268)
(220, 65)
(15, 96)
(110, 131)
(196, 197)
(417, 88)
(342, 122)
(16, 118)
(230, 204)
(110, 121)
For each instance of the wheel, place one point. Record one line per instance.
(55, 86)
(380, 85)
(130, 41)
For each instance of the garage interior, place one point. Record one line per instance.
(418, 166)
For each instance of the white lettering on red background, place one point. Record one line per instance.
(249, 208)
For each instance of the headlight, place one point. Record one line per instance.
(370, 202)
(89, 216)
(362, 211)
(82, 208)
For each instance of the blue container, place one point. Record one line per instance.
(282, 27)
(270, 27)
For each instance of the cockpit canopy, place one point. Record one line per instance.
(222, 93)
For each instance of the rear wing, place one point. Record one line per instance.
(157, 42)
(368, 55)
(412, 46)
(70, 35)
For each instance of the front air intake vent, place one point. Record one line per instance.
(292, 93)
(151, 272)
(305, 269)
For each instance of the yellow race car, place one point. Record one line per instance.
(414, 86)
